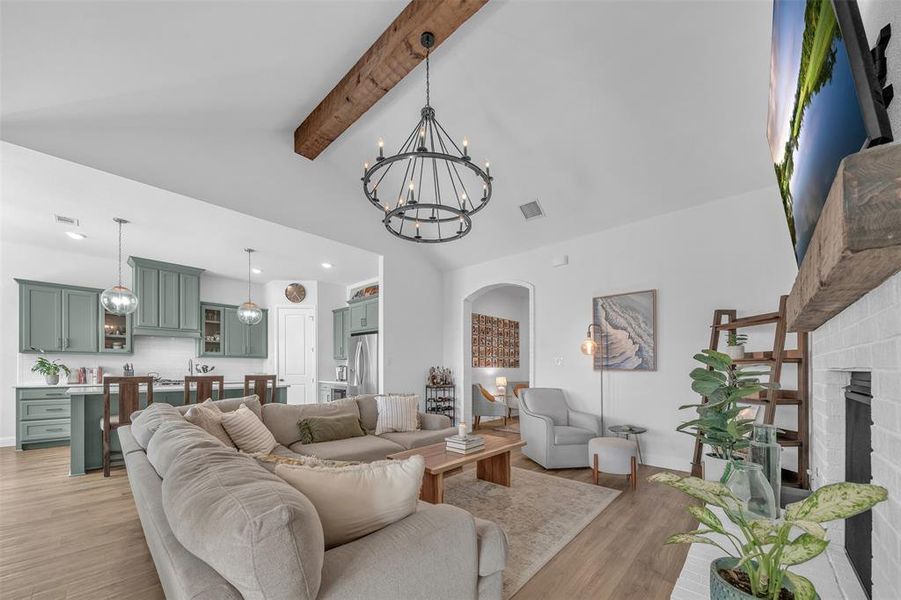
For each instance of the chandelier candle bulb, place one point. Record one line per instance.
(381, 148)
(465, 148)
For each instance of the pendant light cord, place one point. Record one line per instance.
(120, 254)
(427, 51)
(249, 298)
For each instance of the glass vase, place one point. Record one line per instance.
(748, 483)
(767, 453)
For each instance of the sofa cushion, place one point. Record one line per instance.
(326, 429)
(144, 423)
(247, 431)
(418, 439)
(230, 404)
(255, 530)
(369, 411)
(390, 489)
(208, 417)
(365, 449)
(397, 413)
(173, 440)
(282, 419)
(566, 436)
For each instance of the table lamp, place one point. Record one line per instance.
(501, 385)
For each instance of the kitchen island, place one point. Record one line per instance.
(86, 410)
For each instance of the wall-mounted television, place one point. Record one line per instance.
(825, 103)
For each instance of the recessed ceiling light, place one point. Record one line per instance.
(256, 271)
(326, 265)
(75, 235)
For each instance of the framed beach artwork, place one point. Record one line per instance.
(627, 332)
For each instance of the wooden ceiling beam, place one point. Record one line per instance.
(388, 60)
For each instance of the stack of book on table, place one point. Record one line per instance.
(464, 444)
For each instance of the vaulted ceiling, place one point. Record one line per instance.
(608, 112)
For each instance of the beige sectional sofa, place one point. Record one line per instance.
(219, 525)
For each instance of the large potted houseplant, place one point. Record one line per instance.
(764, 549)
(719, 423)
(50, 369)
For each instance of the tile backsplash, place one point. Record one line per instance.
(164, 355)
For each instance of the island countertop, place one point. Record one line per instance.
(86, 412)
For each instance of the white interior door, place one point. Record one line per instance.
(297, 353)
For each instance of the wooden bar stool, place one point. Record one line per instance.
(261, 385)
(205, 385)
(129, 402)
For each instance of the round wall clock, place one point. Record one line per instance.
(295, 293)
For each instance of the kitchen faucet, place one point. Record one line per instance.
(191, 367)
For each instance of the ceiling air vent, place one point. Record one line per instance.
(531, 210)
(66, 220)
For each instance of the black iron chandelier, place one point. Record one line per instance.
(424, 191)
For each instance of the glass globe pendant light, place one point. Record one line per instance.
(249, 313)
(119, 300)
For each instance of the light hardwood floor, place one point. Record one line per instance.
(80, 538)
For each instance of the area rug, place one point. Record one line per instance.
(539, 513)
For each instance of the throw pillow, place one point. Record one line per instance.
(145, 424)
(397, 413)
(177, 441)
(208, 417)
(247, 431)
(326, 429)
(356, 500)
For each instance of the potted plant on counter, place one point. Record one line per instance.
(765, 548)
(49, 369)
(735, 345)
(719, 423)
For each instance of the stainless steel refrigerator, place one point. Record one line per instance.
(363, 367)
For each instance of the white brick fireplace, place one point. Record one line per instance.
(866, 336)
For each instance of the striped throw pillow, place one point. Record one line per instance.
(397, 412)
(247, 431)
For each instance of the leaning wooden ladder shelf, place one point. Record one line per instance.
(772, 398)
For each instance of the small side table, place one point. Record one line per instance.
(626, 431)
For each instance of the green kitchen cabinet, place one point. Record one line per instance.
(40, 317)
(340, 332)
(364, 316)
(80, 320)
(257, 338)
(57, 318)
(237, 339)
(168, 298)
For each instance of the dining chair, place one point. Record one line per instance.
(262, 385)
(129, 400)
(205, 385)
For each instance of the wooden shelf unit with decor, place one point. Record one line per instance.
(726, 319)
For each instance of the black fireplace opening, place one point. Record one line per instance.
(858, 448)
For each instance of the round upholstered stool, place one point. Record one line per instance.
(613, 455)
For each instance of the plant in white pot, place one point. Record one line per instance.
(50, 369)
(764, 549)
(719, 423)
(735, 345)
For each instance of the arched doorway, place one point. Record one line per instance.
(510, 300)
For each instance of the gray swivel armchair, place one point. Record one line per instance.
(486, 404)
(556, 436)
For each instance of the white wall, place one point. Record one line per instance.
(330, 297)
(875, 15)
(168, 356)
(730, 253)
(509, 302)
(410, 320)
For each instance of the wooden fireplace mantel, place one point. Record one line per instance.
(857, 242)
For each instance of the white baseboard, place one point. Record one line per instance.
(667, 462)
(7, 441)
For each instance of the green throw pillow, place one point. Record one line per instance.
(326, 429)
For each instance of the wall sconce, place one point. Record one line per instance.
(589, 346)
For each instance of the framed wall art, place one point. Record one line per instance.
(627, 331)
(495, 342)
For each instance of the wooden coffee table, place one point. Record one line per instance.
(492, 464)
